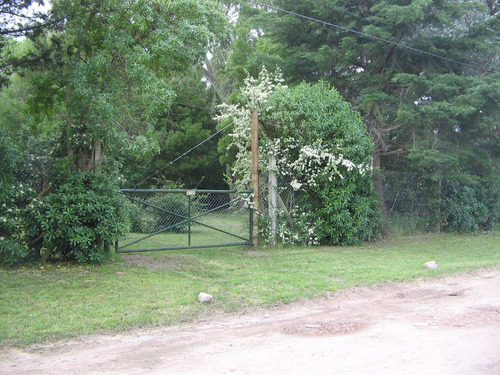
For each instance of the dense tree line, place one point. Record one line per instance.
(99, 95)
(423, 74)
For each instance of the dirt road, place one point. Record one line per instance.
(442, 326)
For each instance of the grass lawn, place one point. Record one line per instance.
(224, 227)
(61, 301)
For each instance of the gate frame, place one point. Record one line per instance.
(189, 219)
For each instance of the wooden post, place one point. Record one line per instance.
(255, 175)
(273, 198)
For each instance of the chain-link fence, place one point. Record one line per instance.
(459, 203)
(178, 218)
(414, 200)
(278, 197)
(277, 208)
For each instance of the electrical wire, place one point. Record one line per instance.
(193, 106)
(173, 103)
(366, 35)
(182, 155)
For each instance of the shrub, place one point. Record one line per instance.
(12, 252)
(18, 223)
(169, 211)
(321, 146)
(466, 207)
(81, 217)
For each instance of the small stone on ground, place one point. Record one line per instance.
(431, 265)
(205, 298)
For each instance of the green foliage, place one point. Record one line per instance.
(454, 157)
(82, 217)
(187, 123)
(108, 69)
(312, 112)
(335, 194)
(9, 160)
(95, 84)
(18, 223)
(18, 202)
(12, 252)
(464, 209)
(164, 210)
(434, 118)
(320, 144)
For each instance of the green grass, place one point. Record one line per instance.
(61, 301)
(233, 228)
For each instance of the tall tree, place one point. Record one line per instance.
(104, 88)
(21, 19)
(112, 63)
(186, 125)
(363, 46)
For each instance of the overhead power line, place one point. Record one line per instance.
(183, 154)
(193, 106)
(269, 6)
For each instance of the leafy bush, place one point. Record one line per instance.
(466, 208)
(175, 208)
(12, 252)
(464, 204)
(18, 223)
(9, 159)
(321, 146)
(84, 215)
(171, 210)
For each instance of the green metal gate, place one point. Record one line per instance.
(171, 219)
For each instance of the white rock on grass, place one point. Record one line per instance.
(432, 265)
(205, 298)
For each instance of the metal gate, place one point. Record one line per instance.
(180, 219)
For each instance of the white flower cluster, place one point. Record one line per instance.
(304, 233)
(254, 94)
(307, 165)
(257, 90)
(313, 161)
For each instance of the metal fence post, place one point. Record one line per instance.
(255, 174)
(189, 219)
(273, 198)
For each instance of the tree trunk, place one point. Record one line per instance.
(97, 156)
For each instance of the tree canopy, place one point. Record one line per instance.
(102, 93)
(423, 73)
(96, 82)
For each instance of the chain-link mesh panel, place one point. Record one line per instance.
(168, 219)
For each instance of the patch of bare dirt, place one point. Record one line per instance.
(480, 316)
(321, 328)
(155, 263)
(444, 326)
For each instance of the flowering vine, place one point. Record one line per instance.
(305, 164)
